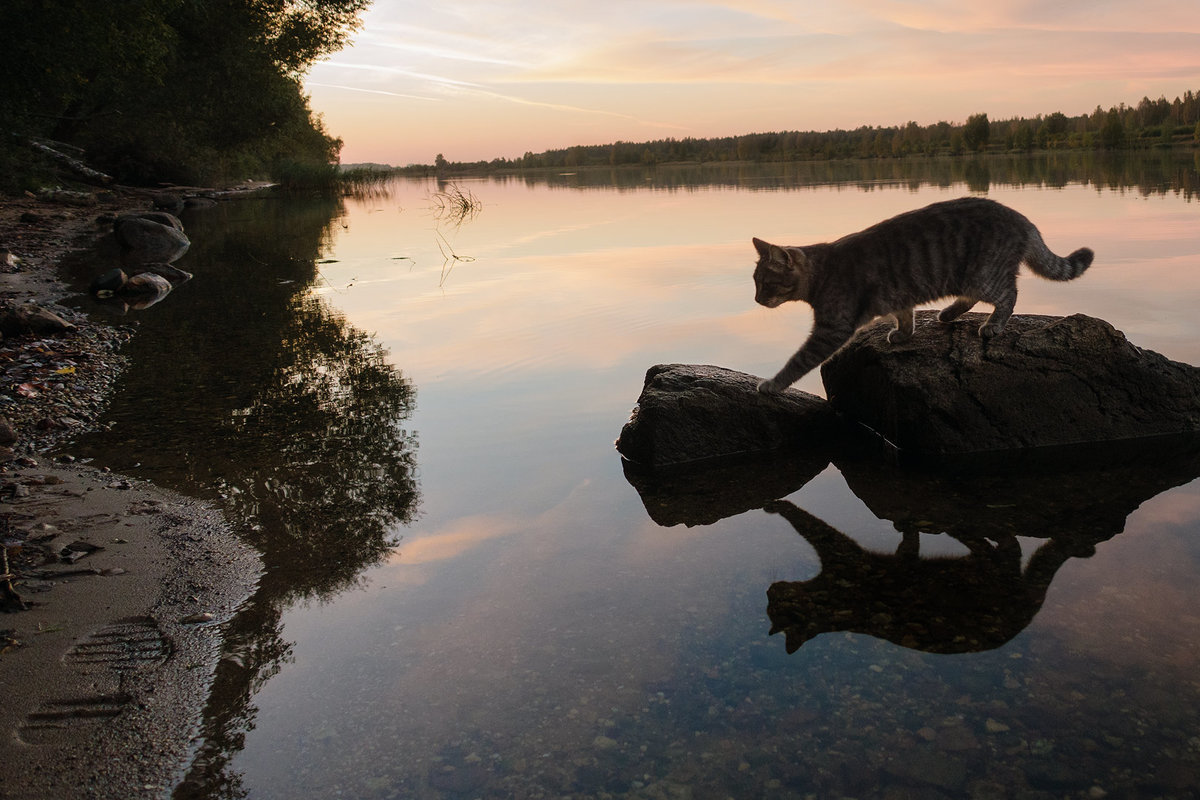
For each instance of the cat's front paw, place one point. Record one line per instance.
(770, 386)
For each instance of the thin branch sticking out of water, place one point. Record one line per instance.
(450, 258)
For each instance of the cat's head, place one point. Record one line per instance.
(780, 275)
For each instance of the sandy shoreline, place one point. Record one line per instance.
(104, 676)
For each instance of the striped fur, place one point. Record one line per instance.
(969, 249)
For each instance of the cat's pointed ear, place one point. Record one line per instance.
(763, 248)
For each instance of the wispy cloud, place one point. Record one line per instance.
(572, 109)
(365, 90)
(469, 51)
(384, 69)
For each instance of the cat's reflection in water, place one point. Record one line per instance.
(945, 604)
(1073, 498)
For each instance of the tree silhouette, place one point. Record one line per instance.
(977, 131)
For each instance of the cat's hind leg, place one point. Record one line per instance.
(956, 309)
(999, 317)
(904, 327)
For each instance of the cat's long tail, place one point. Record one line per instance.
(1056, 268)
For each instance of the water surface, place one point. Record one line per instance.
(413, 416)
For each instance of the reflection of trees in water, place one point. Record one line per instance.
(319, 468)
(1153, 172)
(321, 474)
(249, 387)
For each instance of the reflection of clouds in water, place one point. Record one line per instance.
(454, 540)
(1133, 603)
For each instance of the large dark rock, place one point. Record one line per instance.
(153, 236)
(1043, 381)
(688, 413)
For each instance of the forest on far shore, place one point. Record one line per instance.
(1149, 124)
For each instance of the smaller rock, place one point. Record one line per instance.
(161, 217)
(33, 319)
(77, 550)
(169, 202)
(172, 273)
(147, 283)
(689, 413)
(995, 726)
(197, 619)
(8, 435)
(112, 281)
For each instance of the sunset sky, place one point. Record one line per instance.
(477, 80)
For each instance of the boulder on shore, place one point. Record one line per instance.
(688, 413)
(1043, 381)
(153, 236)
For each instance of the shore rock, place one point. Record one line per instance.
(147, 283)
(1043, 381)
(688, 413)
(169, 271)
(112, 281)
(152, 236)
(32, 319)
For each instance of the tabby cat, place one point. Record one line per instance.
(969, 249)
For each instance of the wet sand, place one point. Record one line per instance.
(105, 673)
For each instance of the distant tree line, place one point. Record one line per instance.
(167, 90)
(1151, 123)
(1150, 172)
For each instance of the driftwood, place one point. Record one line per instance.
(80, 169)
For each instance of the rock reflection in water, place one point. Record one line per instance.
(1075, 498)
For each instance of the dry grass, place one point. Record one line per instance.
(454, 205)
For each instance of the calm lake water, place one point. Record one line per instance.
(412, 417)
